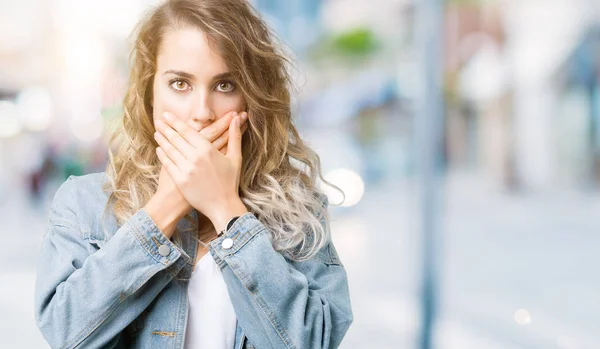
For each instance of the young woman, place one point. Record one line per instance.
(207, 229)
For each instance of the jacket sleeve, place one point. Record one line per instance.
(282, 303)
(86, 298)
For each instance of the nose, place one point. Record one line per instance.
(202, 114)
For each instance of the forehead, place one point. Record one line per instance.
(188, 49)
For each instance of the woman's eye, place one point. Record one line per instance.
(225, 86)
(179, 85)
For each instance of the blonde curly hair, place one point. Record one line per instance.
(279, 172)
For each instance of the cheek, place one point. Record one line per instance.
(225, 104)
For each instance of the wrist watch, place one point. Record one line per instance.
(229, 225)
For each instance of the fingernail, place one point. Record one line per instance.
(167, 115)
(234, 113)
(244, 116)
(237, 122)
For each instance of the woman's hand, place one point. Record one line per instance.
(167, 206)
(217, 134)
(207, 179)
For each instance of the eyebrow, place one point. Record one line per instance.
(192, 77)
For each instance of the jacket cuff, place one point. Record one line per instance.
(242, 230)
(158, 246)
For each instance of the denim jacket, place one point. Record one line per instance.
(100, 285)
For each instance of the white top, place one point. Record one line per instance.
(211, 319)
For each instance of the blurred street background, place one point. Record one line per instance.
(517, 186)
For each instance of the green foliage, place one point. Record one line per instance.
(359, 41)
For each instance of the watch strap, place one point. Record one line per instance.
(229, 224)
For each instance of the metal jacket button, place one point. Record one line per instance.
(227, 243)
(164, 250)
